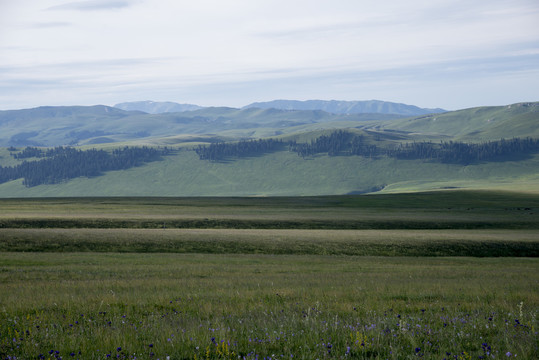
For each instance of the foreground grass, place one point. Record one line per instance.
(187, 306)
(253, 278)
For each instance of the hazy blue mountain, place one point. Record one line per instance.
(346, 107)
(156, 107)
(82, 125)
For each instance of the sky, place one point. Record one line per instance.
(450, 54)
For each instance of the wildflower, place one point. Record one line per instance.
(508, 354)
(417, 349)
(119, 349)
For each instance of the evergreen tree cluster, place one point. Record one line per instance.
(64, 163)
(27, 152)
(464, 153)
(337, 143)
(344, 143)
(35, 152)
(243, 148)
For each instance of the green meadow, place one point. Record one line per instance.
(285, 174)
(441, 275)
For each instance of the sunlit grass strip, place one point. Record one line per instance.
(313, 242)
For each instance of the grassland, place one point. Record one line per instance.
(286, 174)
(451, 275)
(193, 306)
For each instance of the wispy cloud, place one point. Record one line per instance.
(92, 5)
(55, 24)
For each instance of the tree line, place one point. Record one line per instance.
(35, 152)
(64, 163)
(344, 143)
(466, 153)
(337, 143)
(221, 150)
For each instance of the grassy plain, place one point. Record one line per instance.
(438, 275)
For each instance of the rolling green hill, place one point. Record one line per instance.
(286, 173)
(476, 124)
(83, 125)
(283, 172)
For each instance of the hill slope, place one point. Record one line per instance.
(476, 124)
(279, 171)
(286, 173)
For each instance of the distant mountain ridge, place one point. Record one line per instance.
(156, 107)
(85, 125)
(347, 107)
(330, 106)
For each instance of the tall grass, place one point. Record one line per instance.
(95, 306)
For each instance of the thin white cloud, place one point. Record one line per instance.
(91, 5)
(56, 24)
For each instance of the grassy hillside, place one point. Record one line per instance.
(281, 173)
(476, 124)
(285, 173)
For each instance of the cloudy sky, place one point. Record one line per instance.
(431, 53)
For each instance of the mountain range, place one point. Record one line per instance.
(330, 106)
(347, 107)
(83, 125)
(156, 107)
